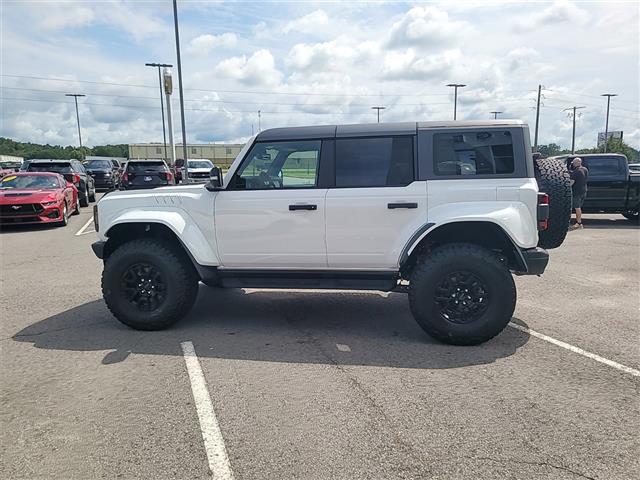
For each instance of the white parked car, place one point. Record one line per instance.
(445, 211)
(198, 170)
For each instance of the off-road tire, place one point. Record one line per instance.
(444, 261)
(553, 179)
(175, 269)
(84, 197)
(633, 216)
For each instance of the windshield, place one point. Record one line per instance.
(50, 167)
(200, 164)
(99, 164)
(141, 167)
(47, 182)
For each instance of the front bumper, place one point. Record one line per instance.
(98, 248)
(50, 214)
(535, 259)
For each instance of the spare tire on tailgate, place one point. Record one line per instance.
(553, 179)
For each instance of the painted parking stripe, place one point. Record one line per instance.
(579, 351)
(84, 227)
(211, 434)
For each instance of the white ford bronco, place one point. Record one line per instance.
(444, 211)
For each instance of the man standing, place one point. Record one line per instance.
(579, 175)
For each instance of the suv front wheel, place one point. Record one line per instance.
(148, 284)
(462, 294)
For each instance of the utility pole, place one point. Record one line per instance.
(252, 129)
(75, 97)
(535, 136)
(606, 125)
(185, 174)
(573, 135)
(378, 109)
(164, 132)
(495, 115)
(455, 86)
(168, 88)
(259, 127)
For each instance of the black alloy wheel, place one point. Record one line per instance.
(462, 297)
(144, 287)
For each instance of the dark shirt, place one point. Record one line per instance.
(579, 177)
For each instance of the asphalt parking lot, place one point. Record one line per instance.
(320, 385)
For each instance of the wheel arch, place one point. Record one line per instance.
(487, 234)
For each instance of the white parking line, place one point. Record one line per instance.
(343, 348)
(579, 351)
(84, 227)
(211, 434)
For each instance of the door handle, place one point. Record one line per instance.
(303, 206)
(392, 206)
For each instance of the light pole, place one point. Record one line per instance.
(168, 88)
(259, 122)
(185, 170)
(606, 125)
(164, 132)
(455, 86)
(495, 115)
(378, 111)
(75, 97)
(573, 135)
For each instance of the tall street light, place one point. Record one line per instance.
(378, 109)
(185, 174)
(455, 86)
(75, 97)
(495, 115)
(606, 125)
(164, 132)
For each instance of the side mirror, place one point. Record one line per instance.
(215, 179)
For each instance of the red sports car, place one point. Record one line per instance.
(29, 197)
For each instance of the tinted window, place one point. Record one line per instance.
(600, 167)
(279, 165)
(374, 162)
(473, 153)
(139, 167)
(57, 167)
(99, 164)
(200, 164)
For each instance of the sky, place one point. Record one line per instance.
(310, 63)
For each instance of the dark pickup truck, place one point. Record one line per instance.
(611, 186)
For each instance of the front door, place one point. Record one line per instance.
(271, 215)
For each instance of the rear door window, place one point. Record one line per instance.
(603, 167)
(473, 152)
(374, 162)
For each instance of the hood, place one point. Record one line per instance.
(200, 170)
(28, 195)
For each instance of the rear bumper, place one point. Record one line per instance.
(535, 259)
(98, 248)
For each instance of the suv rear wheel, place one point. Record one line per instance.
(462, 294)
(148, 284)
(84, 196)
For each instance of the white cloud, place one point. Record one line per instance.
(258, 69)
(339, 54)
(204, 44)
(424, 26)
(409, 65)
(561, 11)
(309, 23)
(521, 57)
(68, 18)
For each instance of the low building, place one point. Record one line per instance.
(220, 154)
(11, 159)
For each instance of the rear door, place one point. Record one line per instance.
(607, 182)
(376, 204)
(272, 213)
(147, 174)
